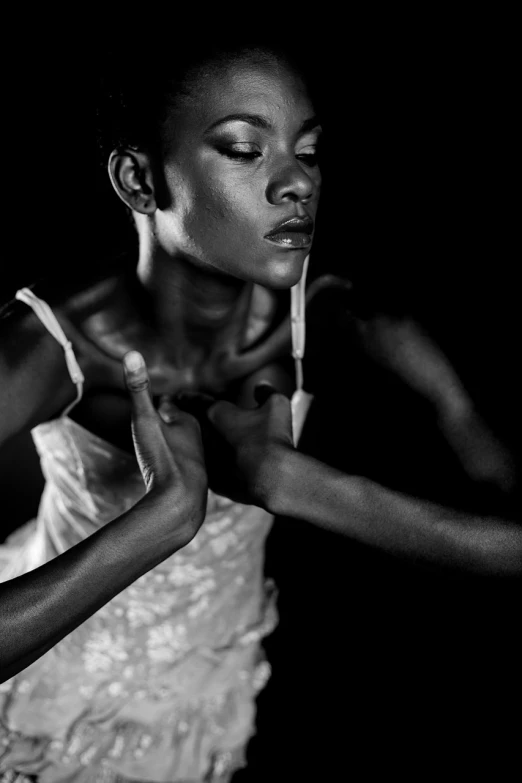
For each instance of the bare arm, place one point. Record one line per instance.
(263, 465)
(34, 381)
(402, 347)
(41, 607)
(304, 488)
(295, 485)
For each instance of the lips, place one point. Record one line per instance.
(294, 233)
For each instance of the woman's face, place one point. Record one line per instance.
(239, 160)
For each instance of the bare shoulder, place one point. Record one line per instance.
(33, 380)
(35, 384)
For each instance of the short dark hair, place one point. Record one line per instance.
(133, 101)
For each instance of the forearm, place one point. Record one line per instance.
(39, 608)
(417, 529)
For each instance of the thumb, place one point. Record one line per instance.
(137, 380)
(149, 444)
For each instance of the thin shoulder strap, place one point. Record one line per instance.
(49, 320)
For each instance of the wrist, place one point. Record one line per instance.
(175, 514)
(308, 490)
(269, 483)
(281, 481)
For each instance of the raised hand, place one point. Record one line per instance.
(169, 450)
(244, 448)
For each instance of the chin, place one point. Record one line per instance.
(286, 272)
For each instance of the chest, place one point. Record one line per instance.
(106, 411)
(214, 369)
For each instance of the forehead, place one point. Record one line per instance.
(268, 88)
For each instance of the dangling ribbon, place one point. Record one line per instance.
(301, 400)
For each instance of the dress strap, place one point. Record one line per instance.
(49, 320)
(301, 400)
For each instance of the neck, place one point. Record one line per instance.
(195, 311)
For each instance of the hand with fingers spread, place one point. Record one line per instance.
(169, 450)
(244, 447)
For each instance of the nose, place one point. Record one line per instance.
(290, 183)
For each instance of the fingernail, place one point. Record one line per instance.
(167, 410)
(133, 361)
(167, 416)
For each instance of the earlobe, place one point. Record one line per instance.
(131, 175)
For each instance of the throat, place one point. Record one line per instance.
(195, 313)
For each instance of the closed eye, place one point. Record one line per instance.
(247, 152)
(235, 155)
(308, 158)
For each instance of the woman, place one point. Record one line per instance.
(211, 198)
(223, 185)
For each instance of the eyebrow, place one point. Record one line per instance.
(258, 121)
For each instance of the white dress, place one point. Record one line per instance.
(159, 684)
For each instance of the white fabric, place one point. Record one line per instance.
(301, 400)
(49, 320)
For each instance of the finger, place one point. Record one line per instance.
(168, 411)
(182, 431)
(137, 382)
(220, 414)
(263, 391)
(149, 444)
(278, 409)
(281, 414)
(185, 424)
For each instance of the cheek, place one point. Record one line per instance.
(222, 207)
(214, 207)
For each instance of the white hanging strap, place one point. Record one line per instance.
(49, 320)
(301, 400)
(297, 311)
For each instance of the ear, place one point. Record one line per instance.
(132, 179)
